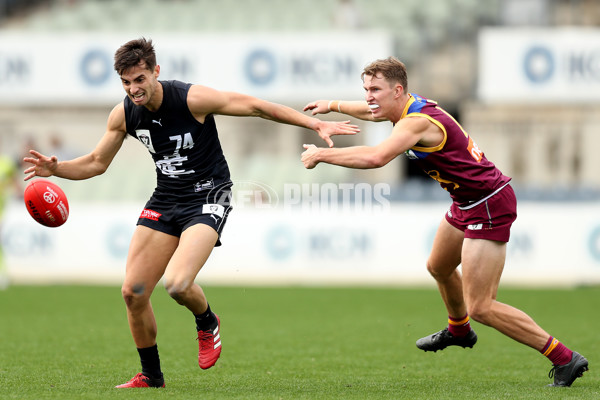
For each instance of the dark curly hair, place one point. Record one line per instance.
(133, 53)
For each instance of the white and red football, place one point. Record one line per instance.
(46, 203)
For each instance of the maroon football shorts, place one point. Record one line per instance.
(491, 219)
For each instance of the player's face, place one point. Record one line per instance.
(140, 85)
(381, 96)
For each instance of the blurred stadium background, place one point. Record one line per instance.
(522, 76)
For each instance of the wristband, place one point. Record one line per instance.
(334, 103)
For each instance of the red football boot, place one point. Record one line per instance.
(209, 346)
(142, 381)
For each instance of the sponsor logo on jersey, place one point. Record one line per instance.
(149, 214)
(204, 185)
(475, 152)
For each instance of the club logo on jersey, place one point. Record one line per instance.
(143, 136)
(171, 166)
(149, 214)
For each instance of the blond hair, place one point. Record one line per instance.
(392, 70)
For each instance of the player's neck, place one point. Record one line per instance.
(401, 103)
(157, 98)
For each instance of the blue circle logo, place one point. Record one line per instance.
(280, 242)
(539, 64)
(594, 244)
(117, 241)
(260, 67)
(95, 67)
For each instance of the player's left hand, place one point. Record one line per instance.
(309, 156)
(318, 107)
(326, 129)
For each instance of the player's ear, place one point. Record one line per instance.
(157, 71)
(398, 90)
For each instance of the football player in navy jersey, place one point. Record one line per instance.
(476, 228)
(183, 220)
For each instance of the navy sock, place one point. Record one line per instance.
(150, 362)
(206, 320)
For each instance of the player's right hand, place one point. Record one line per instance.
(43, 166)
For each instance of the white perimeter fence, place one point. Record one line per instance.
(551, 245)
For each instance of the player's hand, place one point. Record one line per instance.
(308, 157)
(318, 107)
(43, 166)
(326, 129)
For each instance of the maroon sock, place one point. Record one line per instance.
(459, 327)
(557, 353)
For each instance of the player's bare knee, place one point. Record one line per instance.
(479, 312)
(133, 294)
(177, 289)
(435, 272)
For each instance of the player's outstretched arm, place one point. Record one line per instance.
(356, 109)
(203, 101)
(405, 135)
(359, 157)
(87, 166)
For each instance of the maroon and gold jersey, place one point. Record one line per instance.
(457, 163)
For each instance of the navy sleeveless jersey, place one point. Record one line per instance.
(457, 163)
(187, 153)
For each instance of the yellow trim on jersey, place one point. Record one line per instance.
(411, 100)
(439, 125)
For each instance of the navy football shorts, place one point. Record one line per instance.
(173, 214)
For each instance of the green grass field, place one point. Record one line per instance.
(72, 342)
